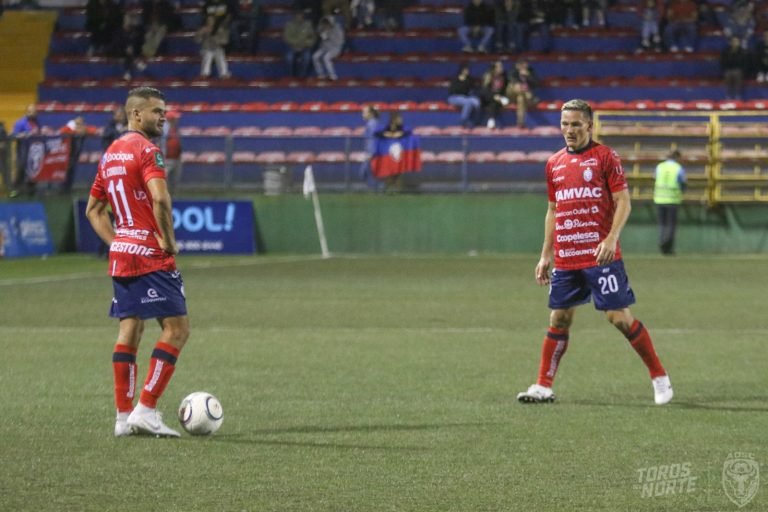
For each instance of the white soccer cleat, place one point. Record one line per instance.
(662, 390)
(121, 425)
(146, 421)
(536, 395)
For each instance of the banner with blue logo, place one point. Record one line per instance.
(218, 227)
(24, 230)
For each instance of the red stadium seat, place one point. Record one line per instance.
(212, 157)
(300, 157)
(241, 157)
(217, 131)
(611, 105)
(190, 131)
(337, 131)
(246, 131)
(539, 156)
(671, 105)
(360, 156)
(256, 106)
(700, 105)
(428, 156)
(450, 156)
(270, 157)
(511, 156)
(642, 105)
(331, 156)
(277, 131)
(481, 156)
(308, 131)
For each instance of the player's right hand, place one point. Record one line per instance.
(542, 272)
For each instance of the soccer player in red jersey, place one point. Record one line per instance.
(131, 180)
(589, 205)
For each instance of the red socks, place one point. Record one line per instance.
(554, 346)
(161, 368)
(640, 340)
(124, 369)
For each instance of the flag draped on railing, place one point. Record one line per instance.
(394, 156)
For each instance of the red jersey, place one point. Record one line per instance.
(581, 185)
(126, 167)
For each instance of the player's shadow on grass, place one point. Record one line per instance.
(252, 437)
(711, 405)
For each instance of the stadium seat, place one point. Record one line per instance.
(330, 156)
(450, 157)
(270, 157)
(300, 157)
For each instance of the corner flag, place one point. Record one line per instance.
(311, 190)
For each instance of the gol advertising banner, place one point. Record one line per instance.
(210, 227)
(24, 230)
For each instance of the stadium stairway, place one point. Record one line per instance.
(24, 41)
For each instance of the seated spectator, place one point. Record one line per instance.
(102, 19)
(461, 94)
(761, 58)
(593, 9)
(159, 17)
(650, 13)
(740, 23)
(76, 131)
(506, 17)
(116, 126)
(568, 13)
(478, 24)
(535, 18)
(299, 35)
(331, 43)
(734, 62)
(391, 12)
(23, 128)
(522, 89)
(340, 7)
(125, 44)
(363, 12)
(707, 15)
(213, 38)
(493, 93)
(682, 29)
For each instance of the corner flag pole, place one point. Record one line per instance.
(311, 189)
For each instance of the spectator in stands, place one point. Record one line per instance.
(593, 9)
(650, 36)
(506, 17)
(707, 15)
(312, 8)
(331, 43)
(75, 131)
(668, 190)
(535, 18)
(567, 13)
(462, 94)
(478, 24)
(682, 29)
(761, 58)
(740, 23)
(213, 38)
(299, 35)
(159, 18)
(392, 13)
(493, 93)
(126, 43)
(522, 89)
(371, 118)
(363, 12)
(340, 7)
(102, 19)
(23, 128)
(170, 144)
(116, 126)
(734, 63)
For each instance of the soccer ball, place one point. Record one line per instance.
(200, 413)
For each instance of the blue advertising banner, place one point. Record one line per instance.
(224, 227)
(24, 230)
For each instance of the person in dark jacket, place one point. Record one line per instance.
(461, 94)
(478, 24)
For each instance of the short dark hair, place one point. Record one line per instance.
(145, 93)
(579, 106)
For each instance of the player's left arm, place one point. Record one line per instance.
(606, 249)
(161, 207)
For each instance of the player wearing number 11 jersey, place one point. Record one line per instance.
(588, 207)
(142, 245)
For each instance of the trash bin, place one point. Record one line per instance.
(277, 181)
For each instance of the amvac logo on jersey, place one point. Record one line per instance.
(152, 296)
(568, 194)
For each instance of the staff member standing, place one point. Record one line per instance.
(668, 195)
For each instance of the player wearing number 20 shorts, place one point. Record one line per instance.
(589, 205)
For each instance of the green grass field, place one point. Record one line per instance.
(385, 384)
